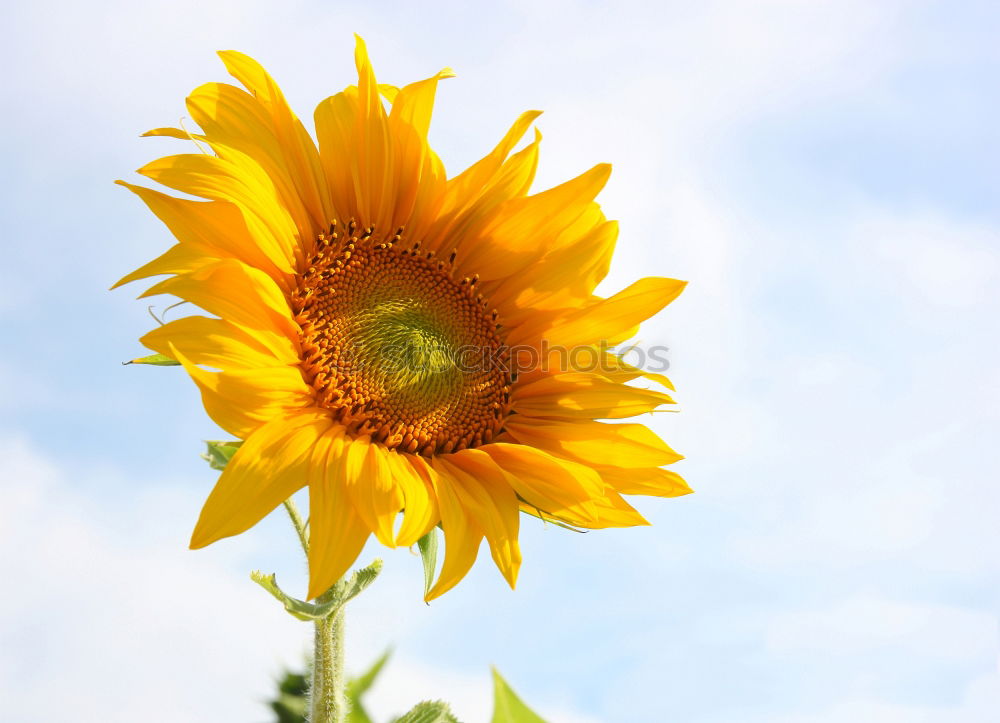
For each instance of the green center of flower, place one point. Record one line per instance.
(398, 348)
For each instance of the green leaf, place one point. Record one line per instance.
(428, 546)
(290, 705)
(430, 711)
(218, 454)
(360, 685)
(357, 687)
(159, 360)
(507, 707)
(349, 589)
(297, 608)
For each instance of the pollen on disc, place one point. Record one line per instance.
(398, 348)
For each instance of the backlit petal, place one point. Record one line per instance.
(268, 468)
(337, 533)
(371, 488)
(242, 400)
(557, 486)
(585, 396)
(462, 534)
(215, 343)
(420, 512)
(239, 293)
(610, 320)
(625, 445)
(485, 491)
(214, 228)
(655, 482)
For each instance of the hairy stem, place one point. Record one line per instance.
(327, 694)
(328, 700)
(300, 527)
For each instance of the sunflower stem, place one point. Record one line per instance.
(328, 694)
(300, 527)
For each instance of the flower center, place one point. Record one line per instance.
(398, 348)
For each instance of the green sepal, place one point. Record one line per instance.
(218, 454)
(430, 711)
(159, 360)
(357, 687)
(326, 604)
(507, 707)
(428, 546)
(296, 608)
(349, 589)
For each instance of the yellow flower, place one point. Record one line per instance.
(378, 359)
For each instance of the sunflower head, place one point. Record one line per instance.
(368, 320)
(388, 334)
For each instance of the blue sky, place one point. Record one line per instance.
(825, 175)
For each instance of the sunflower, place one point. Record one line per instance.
(370, 318)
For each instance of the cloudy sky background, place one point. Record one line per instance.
(824, 173)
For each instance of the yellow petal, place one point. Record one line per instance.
(178, 259)
(462, 535)
(337, 533)
(375, 159)
(371, 489)
(178, 133)
(615, 368)
(614, 511)
(512, 180)
(379, 166)
(235, 178)
(654, 482)
(241, 400)
(486, 492)
(557, 486)
(466, 188)
(515, 176)
(594, 443)
(524, 229)
(214, 228)
(562, 279)
(233, 119)
(610, 320)
(298, 152)
(420, 512)
(238, 293)
(268, 468)
(419, 178)
(476, 192)
(609, 511)
(334, 118)
(582, 395)
(215, 343)
(389, 92)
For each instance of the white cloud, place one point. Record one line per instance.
(20, 389)
(935, 261)
(889, 445)
(864, 519)
(110, 629)
(863, 625)
(979, 704)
